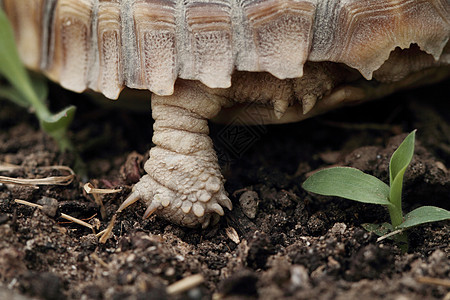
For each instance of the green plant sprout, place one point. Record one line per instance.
(31, 93)
(353, 184)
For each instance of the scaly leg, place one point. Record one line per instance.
(183, 183)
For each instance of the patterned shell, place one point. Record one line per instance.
(146, 44)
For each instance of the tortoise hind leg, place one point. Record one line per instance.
(183, 183)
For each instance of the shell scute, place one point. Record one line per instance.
(72, 34)
(109, 79)
(155, 26)
(209, 53)
(368, 30)
(147, 44)
(27, 23)
(282, 34)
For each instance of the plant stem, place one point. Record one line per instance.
(41, 110)
(396, 214)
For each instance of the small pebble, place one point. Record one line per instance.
(49, 206)
(3, 218)
(299, 277)
(89, 242)
(249, 203)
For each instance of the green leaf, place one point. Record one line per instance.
(30, 92)
(39, 85)
(56, 126)
(348, 183)
(60, 120)
(13, 70)
(402, 157)
(378, 229)
(9, 59)
(424, 214)
(400, 238)
(10, 93)
(397, 167)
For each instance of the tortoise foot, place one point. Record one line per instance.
(183, 183)
(184, 189)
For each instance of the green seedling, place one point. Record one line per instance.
(355, 185)
(30, 93)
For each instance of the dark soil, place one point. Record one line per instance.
(293, 245)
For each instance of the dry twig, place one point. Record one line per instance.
(95, 257)
(67, 217)
(90, 189)
(107, 232)
(389, 234)
(232, 234)
(52, 180)
(434, 281)
(185, 284)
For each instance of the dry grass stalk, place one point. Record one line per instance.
(389, 234)
(52, 180)
(107, 232)
(67, 217)
(95, 257)
(7, 167)
(232, 235)
(434, 281)
(185, 284)
(101, 233)
(90, 189)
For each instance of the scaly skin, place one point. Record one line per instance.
(183, 183)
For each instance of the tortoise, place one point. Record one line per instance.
(201, 59)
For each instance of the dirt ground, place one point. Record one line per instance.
(292, 245)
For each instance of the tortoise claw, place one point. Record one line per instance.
(191, 210)
(225, 201)
(151, 209)
(129, 201)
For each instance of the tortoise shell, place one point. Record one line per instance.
(147, 44)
